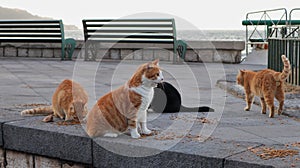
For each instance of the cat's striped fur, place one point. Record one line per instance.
(126, 107)
(68, 102)
(267, 84)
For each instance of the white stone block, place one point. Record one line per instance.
(191, 56)
(22, 52)
(1, 52)
(206, 55)
(10, 52)
(57, 53)
(100, 54)
(79, 54)
(138, 55)
(47, 53)
(115, 54)
(46, 162)
(148, 54)
(72, 166)
(2, 159)
(126, 54)
(217, 57)
(35, 52)
(17, 159)
(163, 55)
(228, 56)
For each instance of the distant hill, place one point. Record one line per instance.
(9, 13)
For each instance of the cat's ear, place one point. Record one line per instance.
(242, 71)
(149, 65)
(156, 62)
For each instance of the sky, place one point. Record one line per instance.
(203, 15)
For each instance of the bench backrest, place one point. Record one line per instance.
(130, 30)
(32, 31)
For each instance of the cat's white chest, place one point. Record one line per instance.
(147, 95)
(147, 99)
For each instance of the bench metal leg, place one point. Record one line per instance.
(70, 44)
(180, 49)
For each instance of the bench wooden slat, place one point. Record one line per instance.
(31, 40)
(127, 20)
(138, 36)
(127, 31)
(29, 26)
(29, 31)
(130, 25)
(131, 41)
(28, 21)
(40, 36)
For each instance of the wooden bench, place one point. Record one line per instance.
(141, 31)
(37, 31)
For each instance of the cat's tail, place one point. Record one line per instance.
(38, 111)
(196, 109)
(286, 69)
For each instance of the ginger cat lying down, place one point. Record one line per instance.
(69, 101)
(126, 107)
(267, 84)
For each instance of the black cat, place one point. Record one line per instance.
(167, 99)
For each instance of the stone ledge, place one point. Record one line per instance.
(7, 116)
(33, 136)
(217, 45)
(104, 158)
(70, 143)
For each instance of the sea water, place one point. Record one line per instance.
(188, 35)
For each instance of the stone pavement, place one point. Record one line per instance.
(229, 137)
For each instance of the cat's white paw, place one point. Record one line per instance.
(111, 135)
(146, 131)
(134, 133)
(247, 108)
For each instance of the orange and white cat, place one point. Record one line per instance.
(69, 101)
(126, 107)
(267, 84)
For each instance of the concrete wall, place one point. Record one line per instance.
(198, 51)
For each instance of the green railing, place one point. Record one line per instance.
(282, 35)
(258, 23)
(286, 43)
(285, 40)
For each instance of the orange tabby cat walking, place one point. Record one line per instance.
(125, 107)
(68, 102)
(267, 84)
